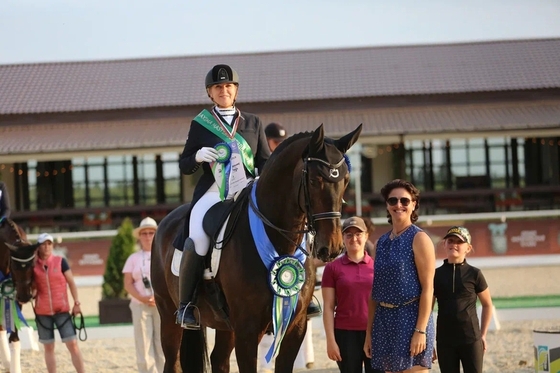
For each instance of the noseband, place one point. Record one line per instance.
(22, 263)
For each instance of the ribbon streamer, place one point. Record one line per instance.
(283, 308)
(11, 317)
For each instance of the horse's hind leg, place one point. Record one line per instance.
(224, 344)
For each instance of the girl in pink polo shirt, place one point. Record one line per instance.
(346, 286)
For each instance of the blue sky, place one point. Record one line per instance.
(76, 30)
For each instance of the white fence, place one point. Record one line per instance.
(486, 262)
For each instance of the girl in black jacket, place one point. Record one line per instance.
(457, 285)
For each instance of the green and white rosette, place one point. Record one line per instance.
(286, 278)
(222, 168)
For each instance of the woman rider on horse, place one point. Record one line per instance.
(213, 136)
(216, 135)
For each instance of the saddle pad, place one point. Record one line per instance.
(214, 261)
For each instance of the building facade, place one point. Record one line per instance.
(475, 126)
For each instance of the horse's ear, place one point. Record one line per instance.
(316, 144)
(346, 142)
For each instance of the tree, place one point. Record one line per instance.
(122, 246)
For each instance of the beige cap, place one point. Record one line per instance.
(354, 222)
(146, 223)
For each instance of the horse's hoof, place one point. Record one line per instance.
(309, 365)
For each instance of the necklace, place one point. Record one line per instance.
(394, 235)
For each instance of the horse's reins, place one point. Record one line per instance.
(310, 217)
(81, 327)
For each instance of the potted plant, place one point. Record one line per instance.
(113, 307)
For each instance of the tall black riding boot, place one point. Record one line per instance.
(191, 270)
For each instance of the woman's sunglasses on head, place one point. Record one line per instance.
(392, 201)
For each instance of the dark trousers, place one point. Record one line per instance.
(351, 345)
(468, 355)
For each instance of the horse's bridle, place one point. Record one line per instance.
(22, 264)
(310, 217)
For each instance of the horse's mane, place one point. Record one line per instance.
(284, 144)
(20, 233)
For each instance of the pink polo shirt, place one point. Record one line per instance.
(138, 264)
(352, 283)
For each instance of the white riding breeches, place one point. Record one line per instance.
(196, 232)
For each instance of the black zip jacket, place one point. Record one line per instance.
(456, 287)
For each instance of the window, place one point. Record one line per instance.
(171, 177)
(492, 158)
(120, 179)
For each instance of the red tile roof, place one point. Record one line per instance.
(172, 132)
(283, 76)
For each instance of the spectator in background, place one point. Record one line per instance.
(145, 317)
(275, 134)
(346, 286)
(457, 286)
(5, 209)
(52, 276)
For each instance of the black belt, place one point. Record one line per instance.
(389, 305)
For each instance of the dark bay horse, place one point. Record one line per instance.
(299, 190)
(16, 273)
(17, 256)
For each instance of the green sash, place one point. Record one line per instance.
(207, 120)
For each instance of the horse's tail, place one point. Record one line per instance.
(194, 354)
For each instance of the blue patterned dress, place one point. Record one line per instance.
(396, 282)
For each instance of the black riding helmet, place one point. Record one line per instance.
(221, 74)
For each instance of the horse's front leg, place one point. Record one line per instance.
(291, 344)
(224, 344)
(171, 337)
(4, 349)
(15, 352)
(246, 349)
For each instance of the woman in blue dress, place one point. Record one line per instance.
(400, 333)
